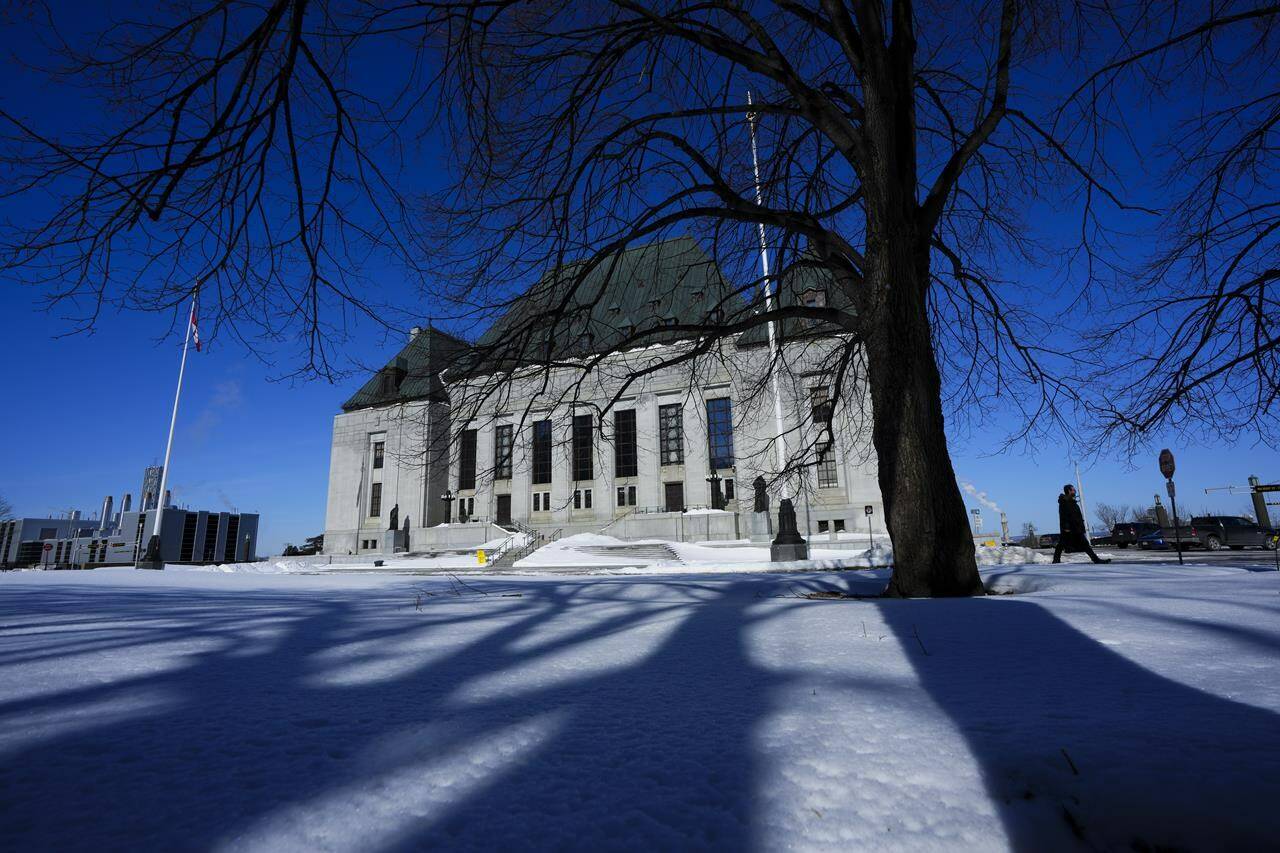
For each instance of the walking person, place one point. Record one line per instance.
(1073, 535)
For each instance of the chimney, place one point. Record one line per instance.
(127, 504)
(105, 523)
(168, 498)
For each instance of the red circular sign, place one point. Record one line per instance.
(48, 546)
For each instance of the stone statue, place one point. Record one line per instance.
(395, 517)
(406, 525)
(762, 497)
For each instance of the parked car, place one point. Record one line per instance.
(1049, 540)
(1156, 540)
(1215, 532)
(1131, 532)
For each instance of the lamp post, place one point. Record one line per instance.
(447, 497)
(717, 501)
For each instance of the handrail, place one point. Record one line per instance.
(630, 512)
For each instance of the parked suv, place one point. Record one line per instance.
(1131, 532)
(1215, 532)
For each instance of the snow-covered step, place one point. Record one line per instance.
(649, 552)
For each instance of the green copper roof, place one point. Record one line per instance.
(413, 374)
(645, 288)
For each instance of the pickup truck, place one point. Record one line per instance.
(1215, 532)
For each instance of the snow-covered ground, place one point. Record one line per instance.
(605, 555)
(1112, 707)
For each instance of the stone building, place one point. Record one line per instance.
(662, 440)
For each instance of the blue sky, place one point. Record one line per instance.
(86, 412)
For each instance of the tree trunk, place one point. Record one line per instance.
(932, 544)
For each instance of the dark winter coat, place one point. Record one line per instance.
(1070, 524)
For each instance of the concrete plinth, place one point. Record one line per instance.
(394, 542)
(788, 551)
(759, 526)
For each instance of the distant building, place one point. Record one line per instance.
(187, 536)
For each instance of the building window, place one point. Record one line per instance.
(466, 508)
(839, 522)
(542, 452)
(671, 434)
(502, 444)
(624, 444)
(379, 448)
(827, 478)
(582, 499)
(467, 460)
(720, 432)
(375, 500)
(626, 495)
(820, 404)
(582, 469)
(728, 488)
(823, 526)
(542, 502)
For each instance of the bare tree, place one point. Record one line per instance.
(1112, 514)
(252, 151)
(1202, 349)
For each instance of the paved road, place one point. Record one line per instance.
(1251, 558)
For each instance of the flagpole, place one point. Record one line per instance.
(153, 547)
(768, 298)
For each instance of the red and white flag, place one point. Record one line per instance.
(195, 329)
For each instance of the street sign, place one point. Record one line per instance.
(1169, 485)
(868, 509)
(1166, 463)
(48, 546)
(1271, 487)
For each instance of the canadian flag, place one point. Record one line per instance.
(195, 329)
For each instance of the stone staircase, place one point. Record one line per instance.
(641, 552)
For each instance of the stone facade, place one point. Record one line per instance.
(422, 459)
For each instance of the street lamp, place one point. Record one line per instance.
(447, 497)
(717, 499)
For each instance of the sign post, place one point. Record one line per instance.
(1167, 469)
(871, 545)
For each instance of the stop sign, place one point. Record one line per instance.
(1166, 463)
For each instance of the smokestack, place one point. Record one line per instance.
(1004, 527)
(105, 524)
(127, 504)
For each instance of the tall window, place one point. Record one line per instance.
(375, 500)
(378, 450)
(820, 404)
(671, 434)
(624, 444)
(720, 432)
(582, 447)
(542, 452)
(502, 444)
(827, 467)
(467, 460)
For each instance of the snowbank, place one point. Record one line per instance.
(609, 555)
